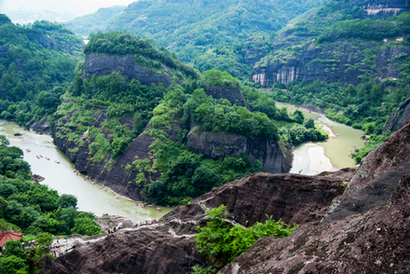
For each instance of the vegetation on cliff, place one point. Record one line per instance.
(36, 210)
(36, 62)
(145, 51)
(222, 241)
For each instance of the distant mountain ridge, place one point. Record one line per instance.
(206, 34)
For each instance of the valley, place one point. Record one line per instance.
(272, 134)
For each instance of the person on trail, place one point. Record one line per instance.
(247, 223)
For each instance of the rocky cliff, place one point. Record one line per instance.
(325, 64)
(274, 158)
(296, 55)
(169, 247)
(365, 232)
(103, 64)
(398, 117)
(231, 94)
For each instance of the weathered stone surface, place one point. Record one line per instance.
(334, 62)
(145, 250)
(293, 198)
(102, 64)
(268, 152)
(170, 247)
(398, 117)
(307, 65)
(378, 175)
(40, 126)
(232, 94)
(373, 241)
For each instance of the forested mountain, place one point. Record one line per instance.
(132, 116)
(36, 62)
(351, 58)
(207, 33)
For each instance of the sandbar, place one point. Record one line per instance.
(318, 161)
(328, 129)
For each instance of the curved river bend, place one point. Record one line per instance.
(62, 178)
(313, 158)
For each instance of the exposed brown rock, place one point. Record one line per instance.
(376, 178)
(374, 242)
(293, 198)
(102, 64)
(399, 117)
(232, 94)
(273, 157)
(146, 250)
(170, 247)
(367, 233)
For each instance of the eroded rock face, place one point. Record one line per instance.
(232, 94)
(399, 117)
(102, 64)
(377, 177)
(374, 242)
(213, 145)
(293, 198)
(154, 250)
(169, 247)
(309, 65)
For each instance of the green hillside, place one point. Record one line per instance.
(354, 65)
(36, 62)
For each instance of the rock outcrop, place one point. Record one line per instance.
(343, 60)
(325, 64)
(377, 177)
(374, 242)
(232, 94)
(169, 247)
(367, 231)
(398, 117)
(39, 126)
(213, 145)
(102, 64)
(156, 249)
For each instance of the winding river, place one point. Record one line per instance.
(309, 158)
(313, 158)
(60, 176)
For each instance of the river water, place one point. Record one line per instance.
(336, 150)
(61, 177)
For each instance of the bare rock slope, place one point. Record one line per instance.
(367, 232)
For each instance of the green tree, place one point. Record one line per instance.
(13, 265)
(86, 226)
(66, 201)
(14, 248)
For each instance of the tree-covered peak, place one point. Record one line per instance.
(144, 50)
(4, 19)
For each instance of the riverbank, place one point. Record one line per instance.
(60, 177)
(342, 140)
